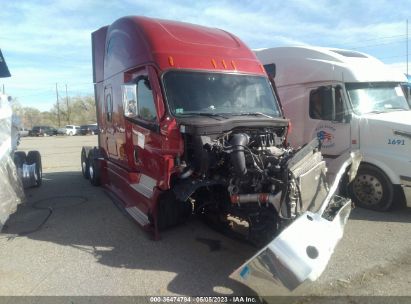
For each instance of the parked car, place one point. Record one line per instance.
(89, 129)
(72, 130)
(61, 131)
(43, 131)
(23, 132)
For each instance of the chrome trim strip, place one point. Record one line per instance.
(138, 215)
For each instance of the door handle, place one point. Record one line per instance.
(135, 153)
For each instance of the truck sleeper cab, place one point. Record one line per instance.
(189, 123)
(350, 101)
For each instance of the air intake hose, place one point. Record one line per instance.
(238, 142)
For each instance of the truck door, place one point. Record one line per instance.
(329, 120)
(146, 140)
(110, 136)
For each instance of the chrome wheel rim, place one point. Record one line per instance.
(91, 172)
(368, 189)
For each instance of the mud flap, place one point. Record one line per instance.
(302, 250)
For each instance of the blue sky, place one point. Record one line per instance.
(45, 42)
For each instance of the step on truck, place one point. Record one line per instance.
(189, 123)
(350, 101)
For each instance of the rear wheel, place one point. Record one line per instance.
(372, 189)
(172, 212)
(34, 157)
(94, 168)
(19, 159)
(85, 164)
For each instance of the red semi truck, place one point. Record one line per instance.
(189, 123)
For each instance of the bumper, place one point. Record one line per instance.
(302, 250)
(292, 259)
(407, 194)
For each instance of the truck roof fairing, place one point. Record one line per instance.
(306, 64)
(134, 41)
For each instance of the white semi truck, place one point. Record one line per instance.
(350, 101)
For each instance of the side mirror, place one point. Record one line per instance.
(130, 100)
(348, 117)
(145, 80)
(270, 69)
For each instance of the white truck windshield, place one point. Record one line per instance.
(376, 97)
(191, 93)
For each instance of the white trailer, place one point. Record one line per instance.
(17, 169)
(350, 101)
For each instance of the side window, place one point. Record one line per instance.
(316, 105)
(146, 107)
(138, 100)
(323, 104)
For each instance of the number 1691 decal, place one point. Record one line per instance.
(396, 142)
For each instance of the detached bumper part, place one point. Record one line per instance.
(303, 249)
(300, 252)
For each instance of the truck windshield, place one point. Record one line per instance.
(193, 93)
(376, 97)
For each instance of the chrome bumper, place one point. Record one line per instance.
(407, 194)
(303, 249)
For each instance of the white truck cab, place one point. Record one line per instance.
(350, 101)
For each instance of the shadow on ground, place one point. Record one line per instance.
(68, 211)
(399, 214)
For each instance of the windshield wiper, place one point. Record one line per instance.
(212, 115)
(252, 114)
(398, 109)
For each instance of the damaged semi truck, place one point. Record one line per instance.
(189, 123)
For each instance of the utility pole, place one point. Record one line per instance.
(407, 45)
(68, 107)
(58, 106)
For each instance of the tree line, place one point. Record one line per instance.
(74, 111)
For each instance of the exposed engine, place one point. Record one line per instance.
(245, 181)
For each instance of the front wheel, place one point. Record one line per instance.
(85, 164)
(371, 189)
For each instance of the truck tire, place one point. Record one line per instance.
(371, 189)
(94, 168)
(34, 157)
(171, 212)
(85, 164)
(19, 159)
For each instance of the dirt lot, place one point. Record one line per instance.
(70, 239)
